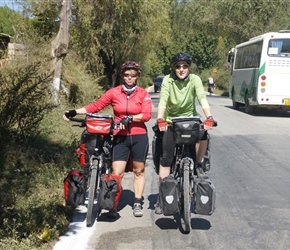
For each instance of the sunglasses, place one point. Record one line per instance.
(179, 66)
(132, 75)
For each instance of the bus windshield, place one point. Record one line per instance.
(279, 47)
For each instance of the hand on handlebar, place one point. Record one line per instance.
(125, 121)
(208, 123)
(162, 124)
(70, 113)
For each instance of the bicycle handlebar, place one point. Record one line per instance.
(83, 122)
(156, 129)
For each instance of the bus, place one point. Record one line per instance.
(260, 72)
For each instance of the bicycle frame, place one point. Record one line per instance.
(100, 163)
(100, 160)
(184, 165)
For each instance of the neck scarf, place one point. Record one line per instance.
(129, 91)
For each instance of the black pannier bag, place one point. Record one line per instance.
(74, 188)
(205, 195)
(86, 148)
(110, 191)
(186, 131)
(157, 148)
(169, 196)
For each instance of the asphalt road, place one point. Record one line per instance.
(250, 169)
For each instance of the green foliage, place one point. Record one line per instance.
(83, 88)
(32, 168)
(23, 94)
(116, 31)
(32, 191)
(7, 18)
(44, 16)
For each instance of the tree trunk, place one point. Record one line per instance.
(59, 47)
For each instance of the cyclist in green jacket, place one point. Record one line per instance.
(177, 98)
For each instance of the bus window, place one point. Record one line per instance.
(249, 56)
(279, 47)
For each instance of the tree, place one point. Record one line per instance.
(111, 31)
(6, 17)
(59, 47)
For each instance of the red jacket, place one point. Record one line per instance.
(139, 102)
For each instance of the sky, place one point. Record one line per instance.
(12, 4)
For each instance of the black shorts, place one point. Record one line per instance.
(137, 144)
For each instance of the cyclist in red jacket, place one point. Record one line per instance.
(132, 107)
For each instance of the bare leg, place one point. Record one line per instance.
(139, 178)
(119, 168)
(163, 172)
(200, 150)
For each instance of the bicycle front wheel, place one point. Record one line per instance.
(186, 199)
(94, 180)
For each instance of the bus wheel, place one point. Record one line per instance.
(248, 108)
(236, 105)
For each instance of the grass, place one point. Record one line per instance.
(32, 208)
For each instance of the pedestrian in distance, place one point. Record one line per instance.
(177, 98)
(132, 107)
(210, 85)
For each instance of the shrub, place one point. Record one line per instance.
(24, 99)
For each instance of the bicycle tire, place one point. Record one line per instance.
(186, 199)
(94, 178)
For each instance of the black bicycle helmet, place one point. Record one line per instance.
(131, 65)
(181, 56)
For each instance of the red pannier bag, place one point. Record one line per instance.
(110, 191)
(86, 148)
(99, 124)
(74, 188)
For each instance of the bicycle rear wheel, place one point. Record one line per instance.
(186, 199)
(94, 181)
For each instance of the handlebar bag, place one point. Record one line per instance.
(110, 191)
(169, 196)
(186, 132)
(74, 188)
(99, 125)
(205, 195)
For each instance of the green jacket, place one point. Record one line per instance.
(178, 98)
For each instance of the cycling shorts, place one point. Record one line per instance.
(124, 144)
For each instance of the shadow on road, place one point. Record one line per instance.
(175, 223)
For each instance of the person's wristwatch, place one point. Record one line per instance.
(130, 117)
(209, 117)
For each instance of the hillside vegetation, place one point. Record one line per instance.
(37, 148)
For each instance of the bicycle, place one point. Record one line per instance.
(102, 125)
(187, 132)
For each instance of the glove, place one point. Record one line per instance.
(126, 120)
(70, 113)
(161, 123)
(209, 121)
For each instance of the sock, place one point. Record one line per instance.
(138, 200)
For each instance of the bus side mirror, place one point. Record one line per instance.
(229, 58)
(231, 55)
